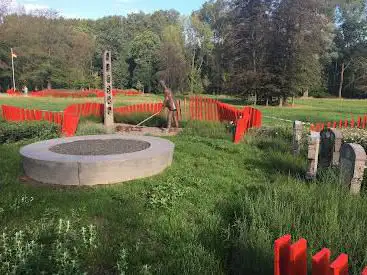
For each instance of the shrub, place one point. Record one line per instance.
(18, 131)
(48, 246)
(319, 93)
(356, 135)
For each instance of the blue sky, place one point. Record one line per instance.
(96, 9)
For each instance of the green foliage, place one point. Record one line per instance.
(199, 38)
(165, 194)
(48, 246)
(13, 132)
(144, 53)
(173, 64)
(319, 93)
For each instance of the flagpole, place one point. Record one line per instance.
(12, 65)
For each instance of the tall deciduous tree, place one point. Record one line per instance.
(144, 53)
(199, 43)
(173, 64)
(351, 43)
(248, 44)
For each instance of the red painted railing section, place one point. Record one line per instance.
(291, 259)
(12, 92)
(79, 94)
(139, 108)
(67, 121)
(208, 109)
(86, 109)
(70, 124)
(196, 108)
(360, 122)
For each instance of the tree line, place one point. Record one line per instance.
(264, 48)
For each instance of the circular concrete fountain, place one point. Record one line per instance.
(93, 160)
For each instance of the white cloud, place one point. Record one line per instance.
(28, 6)
(34, 6)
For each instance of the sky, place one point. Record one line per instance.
(95, 9)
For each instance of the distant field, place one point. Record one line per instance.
(58, 104)
(319, 110)
(310, 110)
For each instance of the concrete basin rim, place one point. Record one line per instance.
(40, 150)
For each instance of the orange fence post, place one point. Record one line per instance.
(298, 257)
(240, 130)
(340, 265)
(281, 255)
(321, 262)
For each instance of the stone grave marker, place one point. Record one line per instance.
(337, 145)
(313, 155)
(327, 143)
(352, 166)
(297, 137)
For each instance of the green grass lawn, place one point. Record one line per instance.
(310, 110)
(319, 110)
(216, 210)
(59, 104)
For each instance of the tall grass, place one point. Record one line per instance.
(216, 210)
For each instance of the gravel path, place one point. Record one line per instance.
(100, 147)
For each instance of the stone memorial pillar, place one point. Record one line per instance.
(107, 81)
(337, 145)
(327, 143)
(297, 137)
(352, 165)
(313, 155)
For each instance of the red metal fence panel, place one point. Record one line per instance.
(291, 259)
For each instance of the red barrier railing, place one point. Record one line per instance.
(86, 109)
(80, 94)
(360, 122)
(67, 121)
(291, 259)
(198, 108)
(207, 109)
(139, 108)
(12, 92)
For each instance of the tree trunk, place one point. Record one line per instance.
(281, 101)
(255, 100)
(292, 101)
(341, 80)
(267, 102)
(49, 86)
